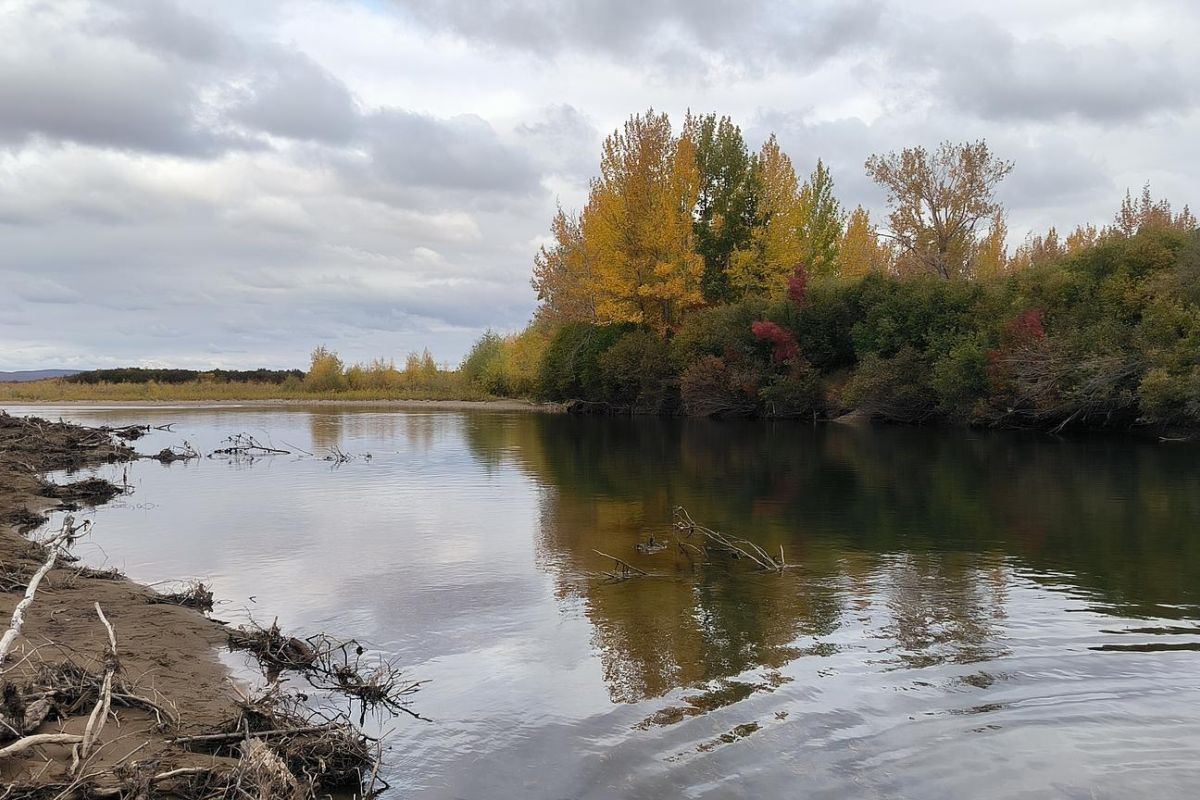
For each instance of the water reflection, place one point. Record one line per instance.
(910, 536)
(969, 614)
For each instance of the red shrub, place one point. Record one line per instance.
(784, 350)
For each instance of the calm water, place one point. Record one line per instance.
(973, 615)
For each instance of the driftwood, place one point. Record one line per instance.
(243, 444)
(195, 595)
(329, 665)
(99, 715)
(730, 545)
(57, 547)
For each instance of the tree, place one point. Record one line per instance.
(991, 255)
(562, 273)
(938, 199)
(860, 252)
(325, 373)
(638, 226)
(1038, 250)
(725, 206)
(819, 222)
(1146, 212)
(763, 266)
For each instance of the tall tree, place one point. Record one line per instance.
(938, 199)
(763, 266)
(820, 221)
(725, 206)
(638, 225)
(860, 251)
(562, 273)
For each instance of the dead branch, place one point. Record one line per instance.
(738, 548)
(57, 547)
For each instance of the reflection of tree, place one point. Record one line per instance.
(326, 430)
(926, 526)
(342, 429)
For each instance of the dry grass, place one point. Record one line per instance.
(57, 390)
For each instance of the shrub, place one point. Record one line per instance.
(571, 367)
(484, 365)
(711, 388)
(636, 373)
(325, 372)
(895, 389)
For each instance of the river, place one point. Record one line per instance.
(966, 614)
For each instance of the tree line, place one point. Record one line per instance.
(707, 278)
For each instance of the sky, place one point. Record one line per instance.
(231, 183)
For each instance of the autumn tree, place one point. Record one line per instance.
(724, 209)
(938, 200)
(860, 250)
(990, 259)
(819, 220)
(638, 226)
(562, 273)
(763, 266)
(1146, 212)
(1038, 249)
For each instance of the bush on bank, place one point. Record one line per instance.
(1106, 337)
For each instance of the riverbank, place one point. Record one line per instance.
(398, 404)
(82, 647)
(167, 653)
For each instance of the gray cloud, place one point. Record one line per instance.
(294, 97)
(675, 34)
(461, 153)
(993, 73)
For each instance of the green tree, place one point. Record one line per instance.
(820, 220)
(725, 206)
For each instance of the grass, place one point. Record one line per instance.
(58, 390)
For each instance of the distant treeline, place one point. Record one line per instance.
(174, 376)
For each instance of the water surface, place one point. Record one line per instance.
(970, 614)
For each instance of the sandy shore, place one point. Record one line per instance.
(166, 653)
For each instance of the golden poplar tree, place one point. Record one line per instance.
(638, 226)
(991, 254)
(775, 249)
(860, 251)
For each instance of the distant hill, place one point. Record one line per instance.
(35, 375)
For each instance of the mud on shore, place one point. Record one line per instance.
(167, 681)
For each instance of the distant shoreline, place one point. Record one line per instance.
(440, 405)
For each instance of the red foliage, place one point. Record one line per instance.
(798, 286)
(1027, 327)
(785, 348)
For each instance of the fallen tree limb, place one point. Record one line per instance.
(100, 711)
(57, 547)
(39, 739)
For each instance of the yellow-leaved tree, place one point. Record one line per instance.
(991, 253)
(562, 273)
(762, 269)
(638, 226)
(860, 250)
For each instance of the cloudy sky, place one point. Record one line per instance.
(229, 183)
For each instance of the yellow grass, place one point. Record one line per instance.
(58, 390)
